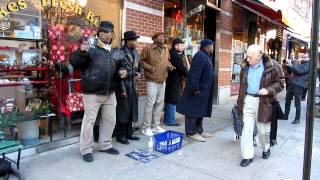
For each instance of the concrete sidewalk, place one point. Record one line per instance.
(218, 158)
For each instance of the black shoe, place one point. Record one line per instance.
(273, 142)
(285, 117)
(245, 162)
(112, 151)
(133, 138)
(174, 124)
(136, 129)
(296, 121)
(266, 155)
(88, 157)
(123, 140)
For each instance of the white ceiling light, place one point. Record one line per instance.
(82, 3)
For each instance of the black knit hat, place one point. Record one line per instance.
(176, 41)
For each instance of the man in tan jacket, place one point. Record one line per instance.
(156, 66)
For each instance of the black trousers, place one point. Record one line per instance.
(193, 125)
(296, 92)
(273, 132)
(304, 95)
(123, 130)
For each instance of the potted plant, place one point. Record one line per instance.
(28, 128)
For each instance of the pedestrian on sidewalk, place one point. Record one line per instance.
(173, 81)
(127, 95)
(156, 65)
(296, 85)
(261, 79)
(197, 98)
(100, 68)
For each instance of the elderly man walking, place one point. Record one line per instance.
(261, 79)
(197, 98)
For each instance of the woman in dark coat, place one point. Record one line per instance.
(172, 93)
(127, 95)
(197, 98)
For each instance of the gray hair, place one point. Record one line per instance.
(255, 48)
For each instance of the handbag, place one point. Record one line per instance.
(237, 122)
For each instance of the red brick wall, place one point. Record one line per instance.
(155, 4)
(226, 22)
(226, 5)
(145, 24)
(225, 60)
(226, 41)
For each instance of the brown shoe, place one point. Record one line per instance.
(197, 137)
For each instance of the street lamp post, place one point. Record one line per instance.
(311, 95)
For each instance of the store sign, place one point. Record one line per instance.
(66, 5)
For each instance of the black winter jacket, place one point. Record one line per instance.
(99, 69)
(300, 74)
(173, 91)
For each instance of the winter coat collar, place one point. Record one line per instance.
(155, 46)
(267, 62)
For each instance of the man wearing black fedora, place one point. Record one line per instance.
(127, 95)
(101, 70)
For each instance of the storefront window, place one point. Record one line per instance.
(40, 92)
(185, 19)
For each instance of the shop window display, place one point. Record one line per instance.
(38, 87)
(184, 19)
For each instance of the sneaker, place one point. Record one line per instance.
(158, 129)
(87, 157)
(147, 131)
(112, 151)
(206, 135)
(197, 137)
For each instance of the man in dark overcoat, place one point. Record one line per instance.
(197, 98)
(127, 93)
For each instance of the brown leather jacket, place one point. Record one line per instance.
(272, 80)
(155, 63)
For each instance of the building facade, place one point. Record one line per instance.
(198, 20)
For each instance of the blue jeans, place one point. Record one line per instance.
(170, 114)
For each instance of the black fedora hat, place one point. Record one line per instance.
(106, 26)
(130, 35)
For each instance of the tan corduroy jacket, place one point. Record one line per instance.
(155, 62)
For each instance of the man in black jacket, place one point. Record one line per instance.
(296, 84)
(100, 70)
(127, 95)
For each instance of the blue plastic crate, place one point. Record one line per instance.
(168, 142)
